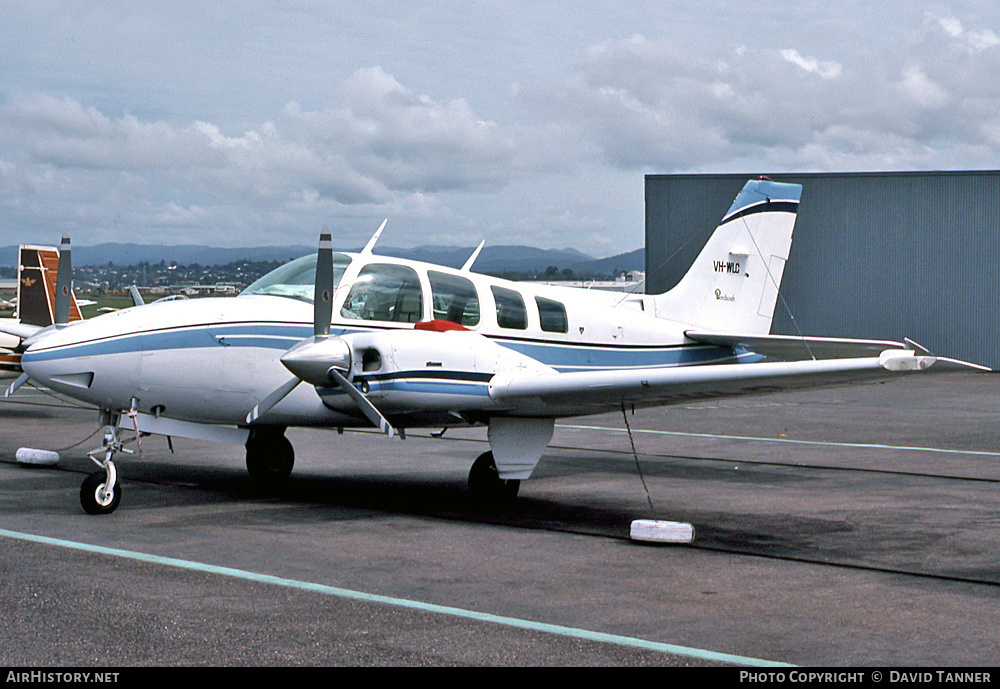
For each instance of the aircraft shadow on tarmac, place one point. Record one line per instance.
(807, 514)
(315, 498)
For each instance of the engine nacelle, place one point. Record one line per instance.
(412, 371)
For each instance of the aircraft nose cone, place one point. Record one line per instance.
(65, 374)
(33, 365)
(312, 359)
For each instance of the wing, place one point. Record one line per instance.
(21, 330)
(596, 391)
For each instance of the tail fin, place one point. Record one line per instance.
(733, 284)
(37, 274)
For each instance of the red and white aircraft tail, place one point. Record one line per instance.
(37, 272)
(37, 284)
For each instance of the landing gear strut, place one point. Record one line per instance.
(486, 485)
(101, 492)
(270, 457)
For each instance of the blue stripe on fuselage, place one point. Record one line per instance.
(562, 356)
(268, 336)
(416, 383)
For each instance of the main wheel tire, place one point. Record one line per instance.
(486, 485)
(270, 457)
(92, 496)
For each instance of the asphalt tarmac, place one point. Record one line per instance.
(843, 527)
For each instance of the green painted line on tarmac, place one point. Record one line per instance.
(398, 602)
(869, 446)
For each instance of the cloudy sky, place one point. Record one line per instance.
(258, 123)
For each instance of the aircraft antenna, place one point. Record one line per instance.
(371, 242)
(472, 259)
(662, 263)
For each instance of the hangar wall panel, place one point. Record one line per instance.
(875, 255)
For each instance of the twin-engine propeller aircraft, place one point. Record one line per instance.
(351, 340)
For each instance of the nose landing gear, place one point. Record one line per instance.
(101, 492)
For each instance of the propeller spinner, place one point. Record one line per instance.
(323, 358)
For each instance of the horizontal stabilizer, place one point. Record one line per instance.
(795, 348)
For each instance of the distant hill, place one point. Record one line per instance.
(632, 260)
(131, 254)
(494, 259)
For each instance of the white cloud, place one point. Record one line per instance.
(407, 141)
(648, 105)
(267, 123)
(825, 69)
(972, 41)
(922, 89)
(379, 145)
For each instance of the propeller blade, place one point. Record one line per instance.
(137, 299)
(64, 282)
(273, 397)
(21, 380)
(323, 297)
(366, 407)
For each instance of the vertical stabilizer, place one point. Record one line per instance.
(37, 274)
(733, 284)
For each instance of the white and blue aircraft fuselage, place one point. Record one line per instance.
(403, 344)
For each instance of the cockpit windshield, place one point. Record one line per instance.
(297, 279)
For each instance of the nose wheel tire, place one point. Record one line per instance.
(94, 496)
(486, 485)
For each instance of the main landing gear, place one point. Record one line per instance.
(270, 457)
(485, 483)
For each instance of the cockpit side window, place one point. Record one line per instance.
(385, 292)
(454, 298)
(552, 315)
(510, 308)
(297, 279)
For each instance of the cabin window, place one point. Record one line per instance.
(510, 308)
(454, 298)
(384, 292)
(297, 279)
(552, 316)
